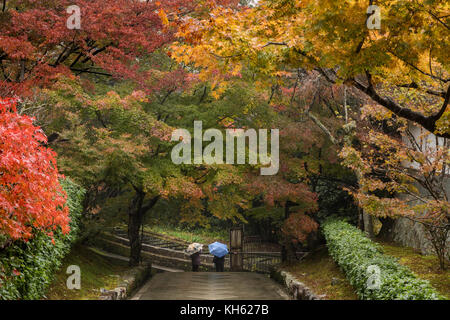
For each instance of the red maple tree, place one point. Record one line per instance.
(114, 35)
(30, 194)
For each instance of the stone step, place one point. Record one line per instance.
(170, 261)
(156, 249)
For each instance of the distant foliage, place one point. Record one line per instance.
(27, 268)
(298, 227)
(354, 252)
(30, 194)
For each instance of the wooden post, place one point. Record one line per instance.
(236, 246)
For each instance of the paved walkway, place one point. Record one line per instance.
(210, 286)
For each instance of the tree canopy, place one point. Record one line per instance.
(107, 97)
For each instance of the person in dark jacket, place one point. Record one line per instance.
(195, 261)
(219, 262)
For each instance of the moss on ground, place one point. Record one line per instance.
(96, 272)
(318, 270)
(322, 275)
(424, 266)
(205, 236)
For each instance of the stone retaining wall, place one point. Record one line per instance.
(130, 281)
(296, 289)
(413, 234)
(157, 255)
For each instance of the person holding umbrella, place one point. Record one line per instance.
(194, 249)
(219, 250)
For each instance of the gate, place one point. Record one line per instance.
(250, 253)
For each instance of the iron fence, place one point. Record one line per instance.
(262, 262)
(260, 256)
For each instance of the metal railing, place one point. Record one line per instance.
(260, 256)
(260, 261)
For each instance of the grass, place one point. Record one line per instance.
(204, 236)
(322, 275)
(424, 266)
(96, 272)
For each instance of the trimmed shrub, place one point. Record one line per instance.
(27, 268)
(354, 253)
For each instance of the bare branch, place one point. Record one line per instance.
(322, 127)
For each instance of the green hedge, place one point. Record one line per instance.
(39, 259)
(354, 253)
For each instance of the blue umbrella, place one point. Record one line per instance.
(218, 249)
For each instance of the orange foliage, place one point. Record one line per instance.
(30, 193)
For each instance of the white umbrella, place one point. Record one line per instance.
(194, 247)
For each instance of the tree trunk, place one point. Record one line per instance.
(284, 245)
(283, 253)
(367, 219)
(386, 229)
(136, 215)
(360, 218)
(438, 237)
(290, 252)
(134, 223)
(368, 225)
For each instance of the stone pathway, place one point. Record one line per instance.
(211, 286)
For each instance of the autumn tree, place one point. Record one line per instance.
(36, 45)
(297, 203)
(308, 159)
(401, 69)
(119, 147)
(111, 142)
(31, 197)
(404, 173)
(410, 51)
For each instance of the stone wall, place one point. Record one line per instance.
(129, 282)
(296, 289)
(412, 234)
(156, 255)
